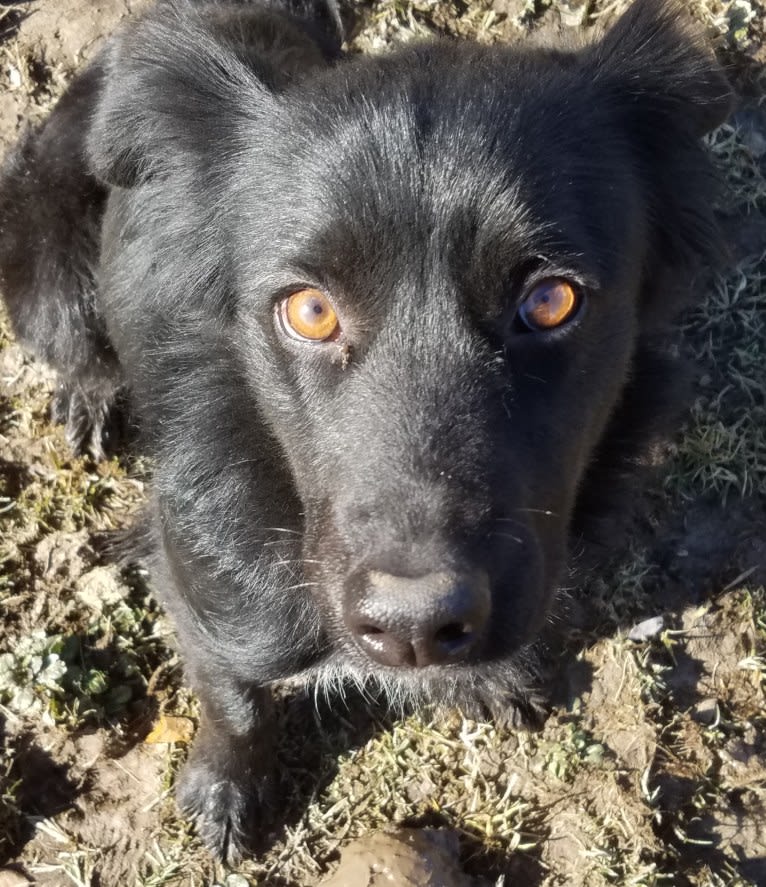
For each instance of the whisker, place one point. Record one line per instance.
(281, 530)
(506, 536)
(508, 520)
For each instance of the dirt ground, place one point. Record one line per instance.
(651, 765)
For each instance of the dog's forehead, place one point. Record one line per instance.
(439, 123)
(506, 153)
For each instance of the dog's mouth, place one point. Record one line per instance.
(478, 688)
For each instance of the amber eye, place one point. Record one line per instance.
(549, 304)
(309, 316)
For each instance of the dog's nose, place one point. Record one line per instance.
(428, 620)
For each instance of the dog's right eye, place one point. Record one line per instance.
(308, 315)
(549, 304)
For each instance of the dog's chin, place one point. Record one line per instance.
(498, 687)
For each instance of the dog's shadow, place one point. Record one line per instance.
(34, 788)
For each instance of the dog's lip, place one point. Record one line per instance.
(343, 651)
(345, 664)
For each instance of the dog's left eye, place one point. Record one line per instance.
(549, 304)
(309, 316)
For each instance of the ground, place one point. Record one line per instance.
(650, 767)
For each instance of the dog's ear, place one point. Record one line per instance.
(172, 92)
(655, 72)
(663, 68)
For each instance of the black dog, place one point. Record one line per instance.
(388, 325)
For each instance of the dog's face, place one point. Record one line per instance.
(438, 298)
(445, 281)
(440, 266)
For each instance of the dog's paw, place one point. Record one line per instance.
(225, 807)
(88, 420)
(527, 711)
(515, 709)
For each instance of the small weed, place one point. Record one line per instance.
(90, 677)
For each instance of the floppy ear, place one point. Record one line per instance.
(179, 81)
(168, 89)
(663, 67)
(665, 90)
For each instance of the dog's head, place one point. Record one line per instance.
(443, 269)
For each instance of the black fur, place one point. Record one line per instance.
(219, 156)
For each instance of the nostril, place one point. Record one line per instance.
(453, 634)
(370, 630)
